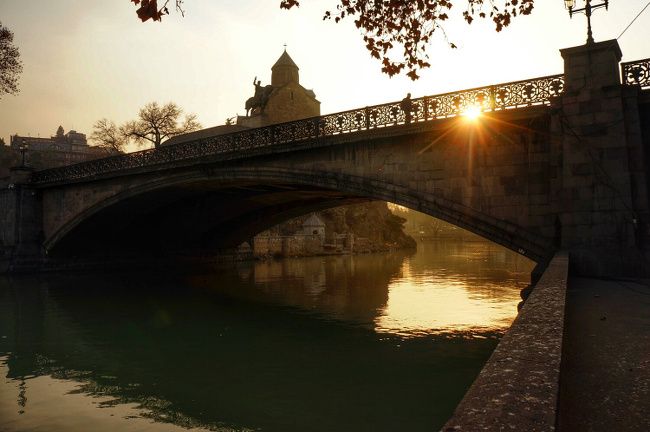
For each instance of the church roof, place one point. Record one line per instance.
(285, 60)
(313, 221)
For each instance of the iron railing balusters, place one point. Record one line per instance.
(636, 73)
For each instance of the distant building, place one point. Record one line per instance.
(58, 150)
(314, 226)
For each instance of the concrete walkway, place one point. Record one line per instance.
(605, 371)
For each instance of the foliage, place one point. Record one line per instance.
(391, 26)
(156, 123)
(387, 25)
(107, 135)
(10, 64)
(149, 9)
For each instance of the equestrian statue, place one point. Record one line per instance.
(257, 103)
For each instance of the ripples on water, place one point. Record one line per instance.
(359, 343)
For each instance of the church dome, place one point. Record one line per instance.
(284, 71)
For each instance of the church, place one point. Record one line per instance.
(284, 100)
(287, 99)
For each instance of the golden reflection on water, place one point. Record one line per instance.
(447, 299)
(423, 307)
(464, 288)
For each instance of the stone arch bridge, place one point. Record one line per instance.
(550, 164)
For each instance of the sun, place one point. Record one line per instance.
(472, 112)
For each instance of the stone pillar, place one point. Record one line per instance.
(603, 198)
(21, 224)
(592, 66)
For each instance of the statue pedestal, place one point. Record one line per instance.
(254, 121)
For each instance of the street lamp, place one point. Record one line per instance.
(23, 150)
(570, 4)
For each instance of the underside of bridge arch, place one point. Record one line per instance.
(191, 218)
(209, 213)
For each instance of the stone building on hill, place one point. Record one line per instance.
(58, 150)
(285, 99)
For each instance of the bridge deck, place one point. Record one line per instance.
(519, 94)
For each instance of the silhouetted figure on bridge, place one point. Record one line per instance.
(407, 106)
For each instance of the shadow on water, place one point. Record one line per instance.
(275, 346)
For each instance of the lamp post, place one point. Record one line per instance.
(570, 4)
(23, 150)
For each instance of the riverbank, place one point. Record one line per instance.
(577, 358)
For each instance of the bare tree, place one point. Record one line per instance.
(157, 123)
(10, 64)
(107, 135)
(396, 32)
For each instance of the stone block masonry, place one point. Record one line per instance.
(603, 195)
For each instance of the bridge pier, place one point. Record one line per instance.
(21, 230)
(603, 192)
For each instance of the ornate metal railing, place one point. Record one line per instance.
(517, 94)
(636, 73)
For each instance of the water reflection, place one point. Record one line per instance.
(457, 288)
(335, 343)
(350, 288)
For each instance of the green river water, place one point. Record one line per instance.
(380, 342)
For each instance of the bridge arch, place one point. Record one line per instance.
(307, 190)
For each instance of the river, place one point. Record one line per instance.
(378, 342)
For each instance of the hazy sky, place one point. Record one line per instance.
(84, 60)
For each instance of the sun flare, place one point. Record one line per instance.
(472, 112)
